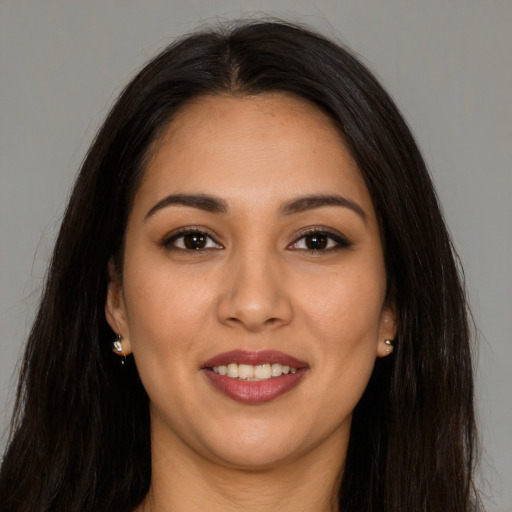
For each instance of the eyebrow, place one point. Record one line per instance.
(203, 202)
(311, 202)
(215, 204)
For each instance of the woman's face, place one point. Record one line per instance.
(252, 246)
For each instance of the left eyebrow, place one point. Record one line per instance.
(305, 203)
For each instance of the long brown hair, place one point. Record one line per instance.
(80, 433)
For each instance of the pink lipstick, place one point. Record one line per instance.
(222, 372)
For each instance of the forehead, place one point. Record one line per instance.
(267, 145)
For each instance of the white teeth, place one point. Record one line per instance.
(245, 371)
(253, 372)
(262, 371)
(276, 370)
(232, 370)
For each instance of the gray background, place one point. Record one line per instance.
(447, 64)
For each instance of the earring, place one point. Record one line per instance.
(117, 347)
(389, 344)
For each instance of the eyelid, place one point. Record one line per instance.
(341, 240)
(174, 235)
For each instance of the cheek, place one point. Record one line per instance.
(344, 317)
(166, 309)
(166, 313)
(347, 302)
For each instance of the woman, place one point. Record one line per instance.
(253, 301)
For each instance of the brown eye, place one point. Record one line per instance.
(316, 241)
(320, 241)
(194, 241)
(191, 241)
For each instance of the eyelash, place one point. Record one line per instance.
(169, 241)
(340, 241)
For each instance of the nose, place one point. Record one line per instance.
(254, 293)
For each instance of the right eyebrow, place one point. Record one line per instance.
(203, 202)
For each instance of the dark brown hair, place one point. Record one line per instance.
(80, 433)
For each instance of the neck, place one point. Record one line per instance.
(187, 482)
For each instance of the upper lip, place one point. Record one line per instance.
(254, 358)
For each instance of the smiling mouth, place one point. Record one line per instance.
(253, 373)
(254, 377)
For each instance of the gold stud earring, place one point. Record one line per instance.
(389, 347)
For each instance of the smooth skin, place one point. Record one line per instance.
(263, 268)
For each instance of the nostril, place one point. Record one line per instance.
(247, 303)
(253, 324)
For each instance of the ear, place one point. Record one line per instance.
(115, 311)
(388, 330)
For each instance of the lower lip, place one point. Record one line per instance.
(255, 392)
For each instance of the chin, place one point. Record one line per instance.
(255, 446)
(256, 459)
